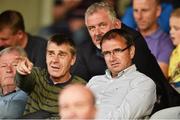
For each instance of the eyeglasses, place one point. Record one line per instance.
(115, 52)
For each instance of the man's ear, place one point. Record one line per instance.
(117, 24)
(132, 51)
(73, 60)
(20, 34)
(158, 12)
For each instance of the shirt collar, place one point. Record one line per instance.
(123, 72)
(60, 84)
(16, 89)
(155, 34)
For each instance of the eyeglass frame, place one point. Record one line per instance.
(115, 51)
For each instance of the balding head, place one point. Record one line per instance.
(76, 102)
(146, 13)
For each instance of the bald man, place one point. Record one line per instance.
(77, 102)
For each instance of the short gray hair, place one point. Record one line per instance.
(101, 6)
(18, 49)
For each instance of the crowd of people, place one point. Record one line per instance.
(114, 72)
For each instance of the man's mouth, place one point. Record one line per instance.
(114, 64)
(55, 67)
(98, 37)
(9, 77)
(172, 38)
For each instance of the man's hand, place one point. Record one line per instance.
(24, 66)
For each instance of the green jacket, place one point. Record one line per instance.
(43, 94)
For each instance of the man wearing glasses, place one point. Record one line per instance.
(122, 92)
(100, 18)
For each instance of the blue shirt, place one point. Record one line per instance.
(13, 104)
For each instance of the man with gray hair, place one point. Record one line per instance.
(12, 99)
(100, 18)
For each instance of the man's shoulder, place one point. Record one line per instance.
(97, 78)
(160, 34)
(77, 79)
(36, 39)
(86, 50)
(41, 72)
(16, 95)
(138, 78)
(137, 37)
(20, 95)
(129, 29)
(86, 45)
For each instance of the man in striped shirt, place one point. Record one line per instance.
(42, 86)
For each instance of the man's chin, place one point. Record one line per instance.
(2, 47)
(142, 28)
(54, 75)
(98, 46)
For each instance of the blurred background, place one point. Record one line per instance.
(41, 16)
(36, 13)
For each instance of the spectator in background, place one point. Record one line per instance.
(43, 86)
(12, 33)
(100, 18)
(59, 15)
(146, 13)
(174, 66)
(77, 102)
(163, 20)
(12, 99)
(122, 92)
(76, 22)
(68, 17)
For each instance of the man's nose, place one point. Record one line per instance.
(139, 15)
(97, 31)
(2, 43)
(71, 114)
(171, 31)
(112, 56)
(9, 68)
(55, 58)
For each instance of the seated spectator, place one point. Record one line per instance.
(146, 13)
(12, 99)
(167, 114)
(122, 92)
(100, 17)
(163, 19)
(12, 33)
(43, 86)
(77, 102)
(174, 65)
